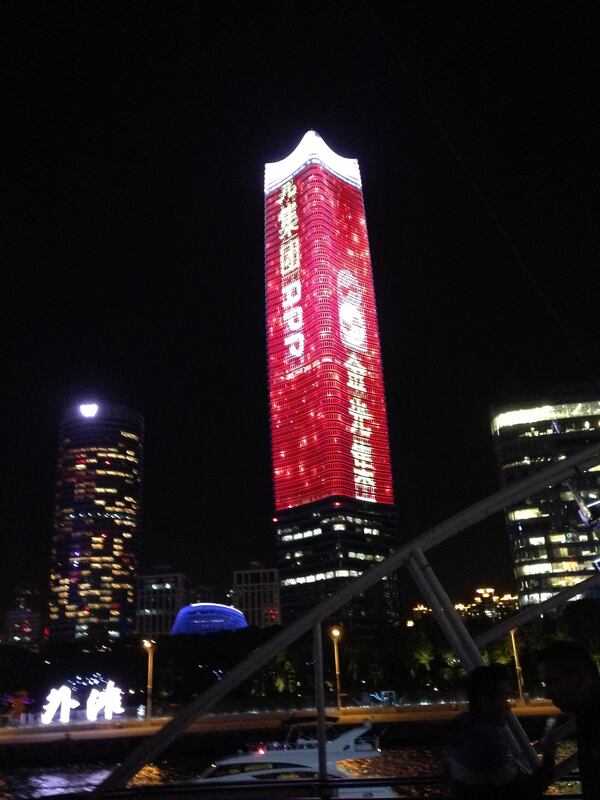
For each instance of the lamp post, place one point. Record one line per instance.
(149, 647)
(335, 634)
(517, 664)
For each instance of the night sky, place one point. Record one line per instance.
(133, 272)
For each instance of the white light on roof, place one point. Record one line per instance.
(310, 150)
(88, 409)
(529, 416)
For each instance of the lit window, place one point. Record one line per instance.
(533, 569)
(525, 513)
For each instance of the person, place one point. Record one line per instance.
(481, 764)
(18, 706)
(572, 682)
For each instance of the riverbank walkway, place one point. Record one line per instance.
(252, 721)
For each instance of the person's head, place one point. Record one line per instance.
(488, 690)
(569, 675)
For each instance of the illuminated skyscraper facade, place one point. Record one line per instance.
(554, 535)
(332, 478)
(96, 523)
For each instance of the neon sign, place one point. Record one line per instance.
(58, 698)
(61, 700)
(289, 259)
(107, 700)
(328, 419)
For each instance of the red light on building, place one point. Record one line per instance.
(328, 418)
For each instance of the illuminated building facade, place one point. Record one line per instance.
(96, 523)
(159, 598)
(256, 594)
(554, 535)
(333, 487)
(486, 604)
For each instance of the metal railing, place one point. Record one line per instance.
(435, 786)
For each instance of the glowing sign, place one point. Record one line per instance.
(289, 260)
(108, 700)
(58, 698)
(328, 420)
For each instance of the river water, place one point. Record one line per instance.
(398, 762)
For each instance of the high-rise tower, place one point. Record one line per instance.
(96, 523)
(555, 534)
(333, 487)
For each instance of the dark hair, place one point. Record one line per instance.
(569, 656)
(485, 682)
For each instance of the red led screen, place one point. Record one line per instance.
(328, 419)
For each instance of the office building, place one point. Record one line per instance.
(96, 523)
(256, 594)
(553, 535)
(23, 620)
(334, 504)
(159, 598)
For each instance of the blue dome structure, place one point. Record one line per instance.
(203, 618)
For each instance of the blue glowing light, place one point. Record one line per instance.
(203, 618)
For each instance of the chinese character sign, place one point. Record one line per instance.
(60, 700)
(328, 419)
(108, 700)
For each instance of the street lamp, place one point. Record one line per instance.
(149, 647)
(335, 634)
(517, 664)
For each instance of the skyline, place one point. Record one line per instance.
(137, 140)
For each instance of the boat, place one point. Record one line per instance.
(297, 758)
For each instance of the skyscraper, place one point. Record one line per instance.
(333, 487)
(255, 592)
(160, 595)
(554, 535)
(96, 523)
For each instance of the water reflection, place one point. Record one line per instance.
(50, 781)
(403, 762)
(27, 784)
